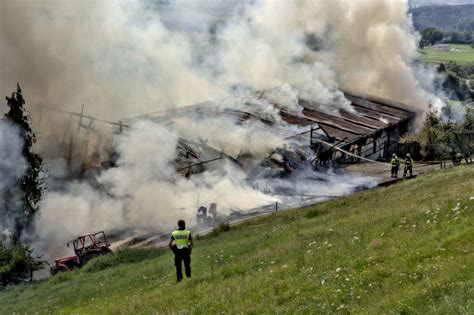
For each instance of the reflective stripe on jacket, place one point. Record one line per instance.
(181, 238)
(395, 162)
(408, 162)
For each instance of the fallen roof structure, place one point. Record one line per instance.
(371, 130)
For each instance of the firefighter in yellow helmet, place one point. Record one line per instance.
(181, 244)
(408, 165)
(395, 166)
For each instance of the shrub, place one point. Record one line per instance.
(219, 229)
(17, 264)
(123, 257)
(315, 213)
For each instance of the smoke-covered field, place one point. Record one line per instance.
(128, 58)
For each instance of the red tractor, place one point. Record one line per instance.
(86, 247)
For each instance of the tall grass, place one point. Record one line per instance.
(405, 249)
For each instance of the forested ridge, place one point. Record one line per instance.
(459, 18)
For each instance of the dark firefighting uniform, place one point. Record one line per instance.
(395, 167)
(408, 166)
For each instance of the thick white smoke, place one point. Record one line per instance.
(119, 59)
(142, 192)
(115, 57)
(363, 46)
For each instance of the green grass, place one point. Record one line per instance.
(466, 55)
(407, 248)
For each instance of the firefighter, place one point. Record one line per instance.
(181, 244)
(408, 165)
(395, 165)
(459, 157)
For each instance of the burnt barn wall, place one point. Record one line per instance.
(379, 146)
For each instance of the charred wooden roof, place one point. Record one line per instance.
(369, 116)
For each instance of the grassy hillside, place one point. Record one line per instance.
(463, 56)
(459, 18)
(407, 248)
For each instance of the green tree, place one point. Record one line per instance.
(17, 264)
(467, 37)
(430, 137)
(456, 37)
(31, 184)
(19, 201)
(438, 139)
(430, 36)
(456, 88)
(441, 68)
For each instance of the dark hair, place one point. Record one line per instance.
(181, 224)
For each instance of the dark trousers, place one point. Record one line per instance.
(394, 171)
(408, 169)
(184, 255)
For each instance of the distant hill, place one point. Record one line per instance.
(459, 18)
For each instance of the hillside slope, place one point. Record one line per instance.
(459, 18)
(405, 248)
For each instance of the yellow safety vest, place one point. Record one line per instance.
(395, 162)
(408, 162)
(181, 238)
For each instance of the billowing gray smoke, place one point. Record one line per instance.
(123, 58)
(12, 168)
(144, 192)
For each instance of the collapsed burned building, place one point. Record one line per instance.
(280, 176)
(312, 134)
(372, 130)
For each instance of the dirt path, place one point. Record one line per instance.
(381, 173)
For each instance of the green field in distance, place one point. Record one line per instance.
(460, 53)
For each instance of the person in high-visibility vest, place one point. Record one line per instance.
(408, 165)
(181, 243)
(395, 166)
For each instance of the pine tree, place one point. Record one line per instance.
(31, 184)
(20, 202)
